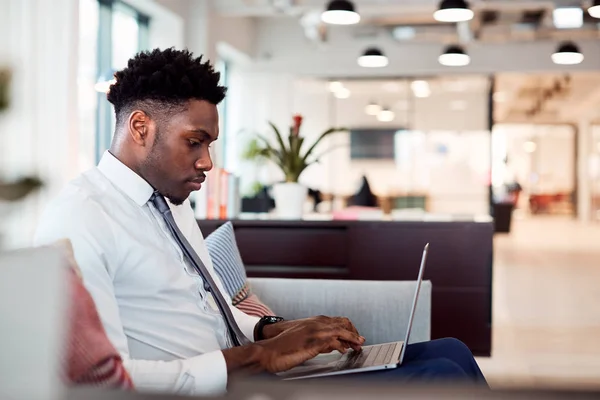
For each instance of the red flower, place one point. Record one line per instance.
(297, 122)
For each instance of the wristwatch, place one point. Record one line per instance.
(267, 320)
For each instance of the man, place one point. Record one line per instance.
(157, 303)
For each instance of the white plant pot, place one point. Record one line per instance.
(289, 200)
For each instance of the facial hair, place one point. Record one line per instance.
(152, 166)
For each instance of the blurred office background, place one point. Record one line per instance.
(514, 121)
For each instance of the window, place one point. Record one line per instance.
(122, 32)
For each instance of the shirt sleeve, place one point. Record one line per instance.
(201, 375)
(246, 322)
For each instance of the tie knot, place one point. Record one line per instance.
(159, 202)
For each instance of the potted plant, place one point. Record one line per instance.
(292, 156)
(13, 191)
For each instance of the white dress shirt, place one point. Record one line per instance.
(152, 303)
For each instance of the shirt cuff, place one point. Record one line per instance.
(248, 326)
(212, 366)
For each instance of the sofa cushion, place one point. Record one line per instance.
(229, 266)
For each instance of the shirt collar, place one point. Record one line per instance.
(125, 179)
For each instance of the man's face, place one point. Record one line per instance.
(179, 156)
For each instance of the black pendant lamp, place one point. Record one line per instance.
(567, 54)
(594, 9)
(454, 56)
(453, 11)
(373, 57)
(340, 12)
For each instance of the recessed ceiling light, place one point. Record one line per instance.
(529, 146)
(420, 88)
(453, 11)
(567, 17)
(342, 93)
(500, 97)
(340, 12)
(372, 108)
(386, 115)
(567, 54)
(334, 86)
(404, 33)
(373, 58)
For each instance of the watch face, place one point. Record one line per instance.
(272, 320)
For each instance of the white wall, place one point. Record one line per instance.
(38, 134)
(41, 134)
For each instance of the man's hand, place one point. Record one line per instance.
(294, 342)
(317, 323)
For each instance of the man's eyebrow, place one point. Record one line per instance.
(202, 132)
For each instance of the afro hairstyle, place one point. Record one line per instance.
(163, 81)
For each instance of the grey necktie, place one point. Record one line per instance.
(209, 284)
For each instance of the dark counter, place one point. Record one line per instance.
(459, 263)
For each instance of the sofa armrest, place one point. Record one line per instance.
(379, 309)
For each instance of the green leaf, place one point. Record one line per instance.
(317, 158)
(323, 135)
(276, 156)
(279, 138)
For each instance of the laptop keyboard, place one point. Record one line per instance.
(369, 356)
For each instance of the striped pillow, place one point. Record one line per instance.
(229, 266)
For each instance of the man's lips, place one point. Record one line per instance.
(199, 179)
(196, 183)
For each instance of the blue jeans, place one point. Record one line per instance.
(441, 361)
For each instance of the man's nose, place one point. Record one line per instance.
(204, 164)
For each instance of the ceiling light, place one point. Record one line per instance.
(334, 86)
(454, 56)
(420, 88)
(567, 54)
(386, 115)
(373, 58)
(105, 81)
(340, 12)
(567, 17)
(404, 33)
(500, 97)
(529, 146)
(342, 93)
(373, 108)
(453, 11)
(594, 10)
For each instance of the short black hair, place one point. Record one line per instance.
(164, 80)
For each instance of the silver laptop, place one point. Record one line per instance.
(33, 301)
(370, 358)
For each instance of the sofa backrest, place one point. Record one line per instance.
(379, 309)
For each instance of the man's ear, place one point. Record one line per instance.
(139, 126)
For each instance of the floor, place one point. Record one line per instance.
(546, 306)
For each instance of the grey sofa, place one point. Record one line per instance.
(379, 309)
